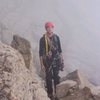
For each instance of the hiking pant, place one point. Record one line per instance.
(52, 74)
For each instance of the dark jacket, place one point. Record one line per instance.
(42, 47)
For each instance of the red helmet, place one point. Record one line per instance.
(47, 24)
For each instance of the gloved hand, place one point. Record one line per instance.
(61, 66)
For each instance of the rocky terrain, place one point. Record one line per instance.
(75, 86)
(19, 80)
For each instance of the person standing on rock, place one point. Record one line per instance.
(51, 58)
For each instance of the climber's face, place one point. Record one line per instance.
(49, 30)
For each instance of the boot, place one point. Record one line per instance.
(51, 97)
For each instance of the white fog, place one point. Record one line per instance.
(76, 22)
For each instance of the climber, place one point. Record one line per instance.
(51, 58)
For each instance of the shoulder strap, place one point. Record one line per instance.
(55, 38)
(55, 41)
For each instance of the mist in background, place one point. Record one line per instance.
(77, 23)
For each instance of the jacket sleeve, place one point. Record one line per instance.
(41, 47)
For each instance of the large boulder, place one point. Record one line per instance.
(24, 47)
(82, 81)
(84, 90)
(83, 94)
(16, 81)
(79, 77)
(63, 88)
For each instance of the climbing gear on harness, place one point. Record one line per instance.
(56, 59)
